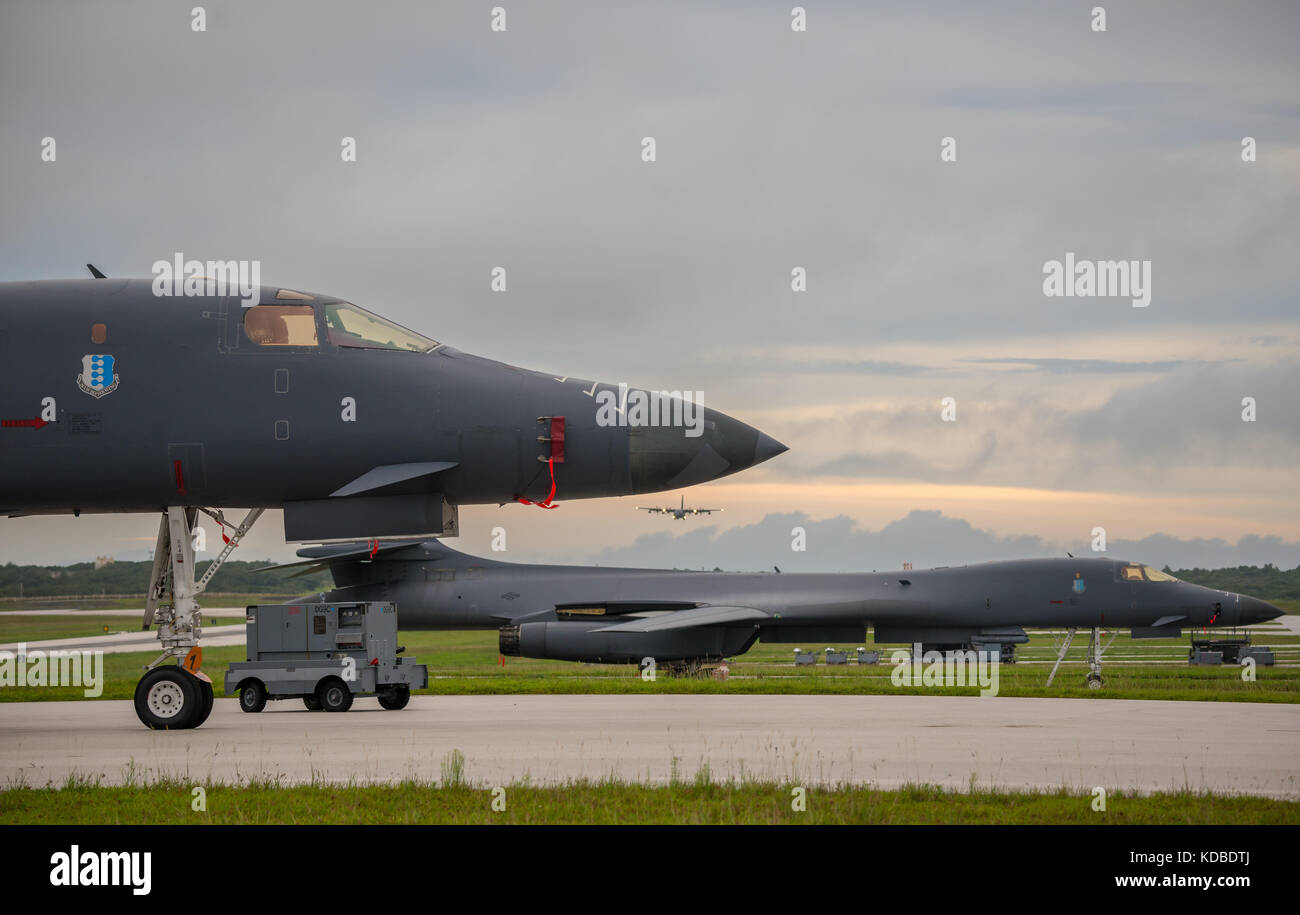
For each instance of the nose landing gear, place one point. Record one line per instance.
(178, 696)
(1095, 652)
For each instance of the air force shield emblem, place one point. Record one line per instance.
(1078, 585)
(97, 377)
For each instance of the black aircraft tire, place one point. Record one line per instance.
(312, 703)
(252, 696)
(396, 698)
(334, 695)
(168, 699)
(206, 700)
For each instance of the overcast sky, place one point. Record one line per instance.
(775, 149)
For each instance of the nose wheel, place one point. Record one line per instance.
(171, 698)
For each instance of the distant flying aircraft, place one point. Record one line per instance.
(621, 616)
(118, 398)
(679, 513)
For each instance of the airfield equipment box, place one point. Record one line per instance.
(324, 653)
(1263, 656)
(1231, 651)
(1001, 652)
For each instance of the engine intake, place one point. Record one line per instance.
(508, 641)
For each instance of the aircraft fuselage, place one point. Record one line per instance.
(203, 405)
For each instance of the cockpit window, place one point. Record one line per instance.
(352, 326)
(281, 325)
(1136, 573)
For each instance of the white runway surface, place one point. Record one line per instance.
(884, 741)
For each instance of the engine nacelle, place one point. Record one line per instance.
(579, 641)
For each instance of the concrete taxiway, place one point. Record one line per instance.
(884, 741)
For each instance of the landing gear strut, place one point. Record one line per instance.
(1095, 651)
(178, 696)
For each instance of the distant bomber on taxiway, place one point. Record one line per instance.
(610, 615)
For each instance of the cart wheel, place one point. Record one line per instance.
(252, 696)
(167, 699)
(312, 703)
(395, 698)
(333, 695)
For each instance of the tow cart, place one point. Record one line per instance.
(325, 654)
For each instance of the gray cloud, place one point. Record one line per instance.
(912, 464)
(1203, 553)
(778, 365)
(1192, 417)
(1088, 366)
(924, 538)
(1171, 433)
(522, 149)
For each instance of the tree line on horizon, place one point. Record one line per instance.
(132, 578)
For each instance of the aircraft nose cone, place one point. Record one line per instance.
(1254, 610)
(666, 457)
(767, 448)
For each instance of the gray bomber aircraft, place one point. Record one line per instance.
(120, 399)
(612, 615)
